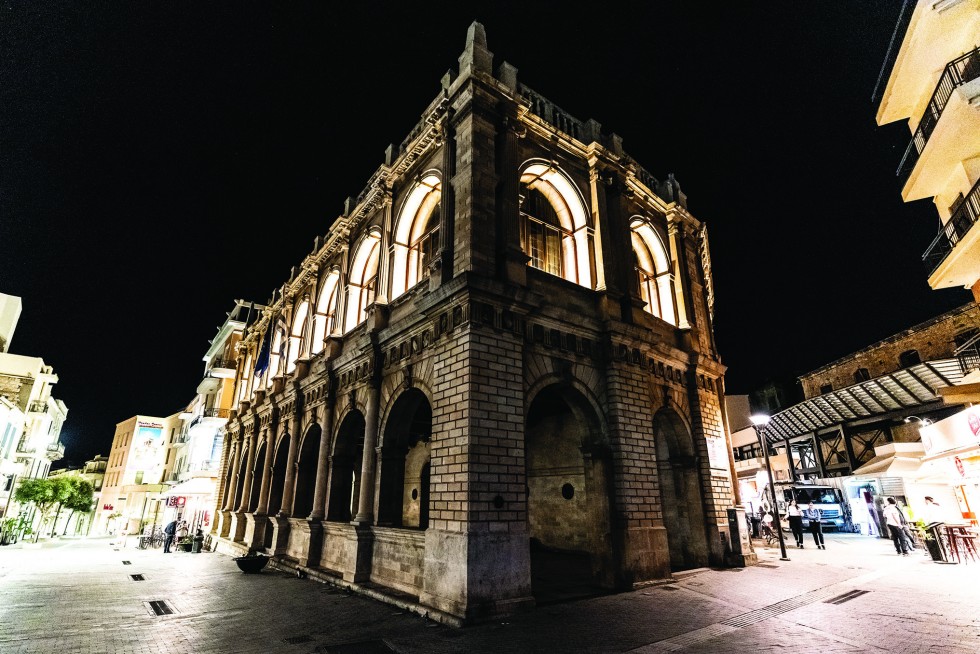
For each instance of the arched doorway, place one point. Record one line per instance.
(404, 500)
(345, 474)
(568, 473)
(257, 474)
(306, 473)
(680, 492)
(278, 475)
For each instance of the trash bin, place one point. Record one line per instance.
(935, 545)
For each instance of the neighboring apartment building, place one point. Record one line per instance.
(499, 358)
(196, 452)
(750, 461)
(30, 417)
(933, 82)
(133, 488)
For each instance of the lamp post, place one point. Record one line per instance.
(759, 422)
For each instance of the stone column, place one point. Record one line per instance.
(365, 500)
(323, 460)
(253, 440)
(289, 484)
(235, 465)
(678, 255)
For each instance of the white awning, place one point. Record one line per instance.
(195, 486)
(894, 460)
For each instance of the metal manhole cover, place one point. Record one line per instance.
(363, 647)
(846, 597)
(137, 577)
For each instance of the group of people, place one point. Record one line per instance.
(795, 515)
(898, 523)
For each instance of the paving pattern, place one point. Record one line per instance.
(78, 597)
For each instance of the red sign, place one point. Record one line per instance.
(974, 421)
(107, 507)
(959, 466)
(176, 500)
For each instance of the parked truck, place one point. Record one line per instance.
(829, 499)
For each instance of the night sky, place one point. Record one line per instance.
(159, 160)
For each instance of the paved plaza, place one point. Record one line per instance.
(78, 596)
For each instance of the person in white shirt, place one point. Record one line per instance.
(933, 512)
(896, 526)
(795, 515)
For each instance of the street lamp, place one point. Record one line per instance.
(759, 422)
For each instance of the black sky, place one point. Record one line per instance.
(159, 160)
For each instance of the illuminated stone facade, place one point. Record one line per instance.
(471, 378)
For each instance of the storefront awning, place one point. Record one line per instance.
(902, 390)
(893, 460)
(195, 486)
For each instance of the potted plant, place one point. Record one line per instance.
(185, 544)
(252, 563)
(932, 545)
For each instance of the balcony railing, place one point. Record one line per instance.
(38, 407)
(961, 70)
(55, 451)
(230, 364)
(954, 230)
(217, 413)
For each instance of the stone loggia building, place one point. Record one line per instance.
(499, 358)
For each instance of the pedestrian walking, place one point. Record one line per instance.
(795, 515)
(813, 514)
(896, 527)
(169, 532)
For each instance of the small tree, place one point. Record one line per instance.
(80, 500)
(44, 494)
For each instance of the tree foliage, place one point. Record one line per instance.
(65, 491)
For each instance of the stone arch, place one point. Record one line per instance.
(345, 472)
(240, 486)
(259, 471)
(278, 480)
(563, 224)
(653, 270)
(681, 495)
(415, 237)
(362, 279)
(403, 499)
(306, 465)
(569, 479)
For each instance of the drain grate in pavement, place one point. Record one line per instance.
(849, 595)
(160, 607)
(296, 640)
(765, 565)
(363, 647)
(137, 577)
(127, 563)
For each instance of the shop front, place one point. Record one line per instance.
(952, 453)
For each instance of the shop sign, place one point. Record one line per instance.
(959, 466)
(176, 500)
(957, 431)
(107, 507)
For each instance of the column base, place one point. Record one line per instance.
(278, 544)
(236, 531)
(255, 526)
(224, 523)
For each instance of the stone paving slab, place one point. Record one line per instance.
(77, 597)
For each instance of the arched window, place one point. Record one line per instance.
(245, 381)
(653, 270)
(416, 235)
(296, 333)
(861, 374)
(277, 353)
(554, 229)
(325, 318)
(363, 280)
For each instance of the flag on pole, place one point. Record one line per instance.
(262, 360)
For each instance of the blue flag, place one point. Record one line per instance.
(262, 360)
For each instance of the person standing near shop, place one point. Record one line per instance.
(169, 532)
(896, 526)
(795, 515)
(813, 514)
